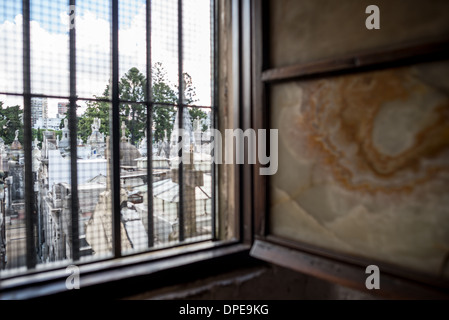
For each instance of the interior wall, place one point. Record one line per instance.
(309, 30)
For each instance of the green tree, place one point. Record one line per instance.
(132, 88)
(189, 90)
(190, 98)
(163, 114)
(37, 133)
(95, 109)
(197, 114)
(67, 116)
(10, 121)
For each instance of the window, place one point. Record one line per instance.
(106, 110)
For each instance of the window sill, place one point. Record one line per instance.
(129, 275)
(348, 274)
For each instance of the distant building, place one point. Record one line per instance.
(39, 110)
(49, 123)
(62, 108)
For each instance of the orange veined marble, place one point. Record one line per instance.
(384, 131)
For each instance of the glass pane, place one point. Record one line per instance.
(12, 188)
(95, 181)
(93, 48)
(50, 120)
(133, 178)
(51, 163)
(132, 49)
(165, 190)
(197, 52)
(11, 71)
(197, 174)
(49, 47)
(164, 50)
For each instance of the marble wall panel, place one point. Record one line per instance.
(309, 30)
(364, 164)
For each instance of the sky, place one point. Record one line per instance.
(50, 45)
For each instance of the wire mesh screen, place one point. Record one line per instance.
(11, 79)
(92, 22)
(49, 47)
(105, 121)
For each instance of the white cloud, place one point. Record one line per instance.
(50, 51)
(11, 55)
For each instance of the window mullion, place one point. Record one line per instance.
(180, 126)
(73, 143)
(29, 188)
(149, 106)
(115, 134)
(214, 100)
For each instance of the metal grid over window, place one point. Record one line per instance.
(106, 114)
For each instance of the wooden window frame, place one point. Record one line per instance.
(128, 275)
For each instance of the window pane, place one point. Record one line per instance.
(49, 47)
(93, 48)
(133, 178)
(159, 207)
(95, 181)
(12, 188)
(164, 50)
(197, 174)
(197, 54)
(165, 189)
(51, 163)
(132, 49)
(11, 77)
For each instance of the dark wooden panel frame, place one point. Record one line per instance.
(344, 269)
(380, 58)
(343, 273)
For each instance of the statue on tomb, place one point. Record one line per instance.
(123, 139)
(16, 145)
(143, 145)
(96, 139)
(96, 124)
